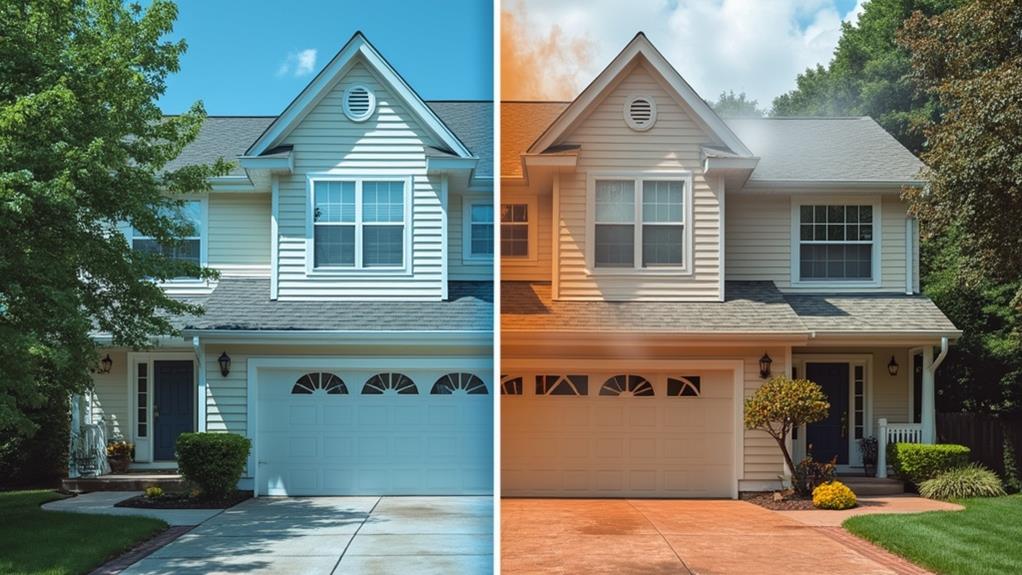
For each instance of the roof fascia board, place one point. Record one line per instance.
(640, 45)
(644, 337)
(712, 164)
(318, 87)
(810, 185)
(231, 184)
(278, 163)
(447, 164)
(285, 337)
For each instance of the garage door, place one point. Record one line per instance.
(634, 434)
(377, 431)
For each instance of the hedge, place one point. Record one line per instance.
(213, 461)
(918, 462)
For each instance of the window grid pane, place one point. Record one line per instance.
(514, 213)
(514, 240)
(615, 201)
(662, 201)
(615, 245)
(334, 245)
(382, 246)
(383, 202)
(334, 202)
(836, 242)
(661, 245)
(482, 240)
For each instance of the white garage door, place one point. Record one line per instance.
(630, 434)
(382, 431)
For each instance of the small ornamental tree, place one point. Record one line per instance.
(783, 404)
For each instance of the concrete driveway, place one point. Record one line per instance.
(625, 537)
(336, 535)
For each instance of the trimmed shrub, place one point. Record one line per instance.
(833, 495)
(154, 492)
(38, 458)
(810, 473)
(917, 462)
(212, 461)
(1012, 481)
(968, 481)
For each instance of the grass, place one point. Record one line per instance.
(983, 539)
(37, 542)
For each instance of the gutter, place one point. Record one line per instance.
(421, 338)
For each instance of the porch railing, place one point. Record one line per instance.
(895, 433)
(88, 451)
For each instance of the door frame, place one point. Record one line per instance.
(583, 365)
(144, 446)
(799, 361)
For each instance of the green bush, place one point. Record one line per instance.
(38, 458)
(968, 481)
(833, 495)
(917, 462)
(213, 461)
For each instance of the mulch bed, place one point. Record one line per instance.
(183, 501)
(789, 503)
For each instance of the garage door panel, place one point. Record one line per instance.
(622, 445)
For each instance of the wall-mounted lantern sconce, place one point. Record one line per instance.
(225, 364)
(764, 366)
(106, 364)
(892, 366)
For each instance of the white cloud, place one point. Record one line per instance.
(752, 46)
(300, 63)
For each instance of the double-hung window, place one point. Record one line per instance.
(640, 223)
(189, 248)
(514, 230)
(836, 242)
(478, 224)
(359, 223)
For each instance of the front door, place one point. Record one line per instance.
(828, 438)
(173, 410)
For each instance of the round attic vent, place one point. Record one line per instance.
(359, 103)
(640, 113)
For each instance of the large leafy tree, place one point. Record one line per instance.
(82, 147)
(869, 75)
(730, 105)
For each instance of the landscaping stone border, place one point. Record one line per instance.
(141, 551)
(876, 553)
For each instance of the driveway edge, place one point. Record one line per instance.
(876, 553)
(141, 551)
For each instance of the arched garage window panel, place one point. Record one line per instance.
(511, 384)
(459, 383)
(627, 385)
(312, 382)
(562, 385)
(390, 383)
(683, 386)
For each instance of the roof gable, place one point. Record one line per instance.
(640, 48)
(357, 48)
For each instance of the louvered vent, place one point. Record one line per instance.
(640, 113)
(359, 103)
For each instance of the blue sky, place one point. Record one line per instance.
(254, 57)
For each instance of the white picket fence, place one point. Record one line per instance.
(895, 433)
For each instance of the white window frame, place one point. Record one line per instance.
(796, 242)
(203, 236)
(532, 205)
(466, 228)
(358, 269)
(685, 177)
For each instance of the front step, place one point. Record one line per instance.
(872, 485)
(124, 482)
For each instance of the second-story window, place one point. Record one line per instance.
(640, 222)
(514, 230)
(358, 223)
(479, 230)
(189, 248)
(836, 242)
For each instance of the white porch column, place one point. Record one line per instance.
(882, 448)
(929, 407)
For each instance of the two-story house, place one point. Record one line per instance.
(659, 263)
(350, 333)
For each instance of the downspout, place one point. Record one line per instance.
(940, 357)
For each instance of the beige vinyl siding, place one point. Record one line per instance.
(391, 142)
(459, 268)
(529, 269)
(608, 144)
(239, 233)
(759, 241)
(110, 397)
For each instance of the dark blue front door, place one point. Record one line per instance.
(829, 438)
(173, 412)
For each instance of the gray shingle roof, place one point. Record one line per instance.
(229, 136)
(852, 149)
(749, 308)
(244, 304)
(869, 313)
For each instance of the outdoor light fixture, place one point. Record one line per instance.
(892, 366)
(764, 366)
(225, 364)
(105, 364)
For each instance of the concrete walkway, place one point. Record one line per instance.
(649, 537)
(906, 503)
(336, 535)
(102, 502)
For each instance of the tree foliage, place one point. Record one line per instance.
(83, 146)
(783, 404)
(730, 105)
(869, 75)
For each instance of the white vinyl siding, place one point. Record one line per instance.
(673, 145)
(759, 240)
(389, 145)
(110, 397)
(239, 233)
(459, 267)
(538, 265)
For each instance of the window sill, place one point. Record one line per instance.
(357, 272)
(518, 260)
(815, 284)
(634, 272)
(477, 260)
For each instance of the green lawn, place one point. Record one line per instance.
(37, 542)
(985, 538)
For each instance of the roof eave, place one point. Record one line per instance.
(803, 185)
